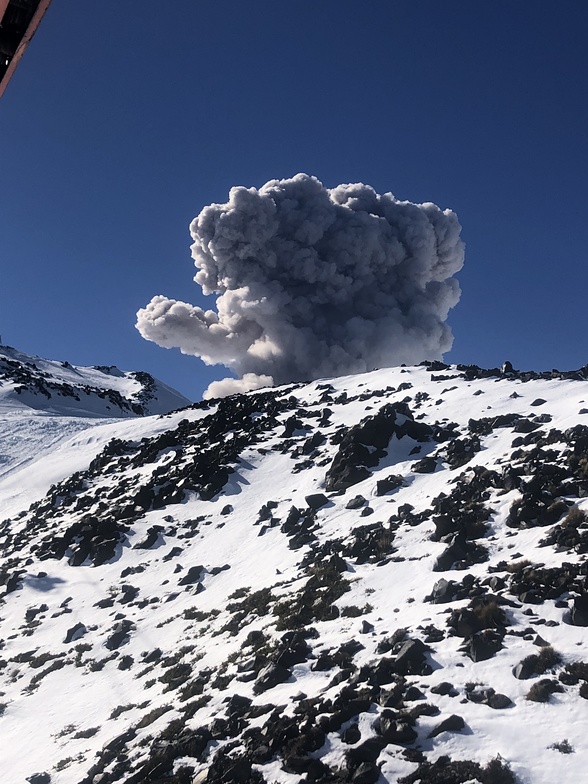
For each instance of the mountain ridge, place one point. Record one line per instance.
(379, 577)
(98, 391)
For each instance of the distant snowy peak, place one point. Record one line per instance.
(31, 382)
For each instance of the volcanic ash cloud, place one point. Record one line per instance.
(314, 282)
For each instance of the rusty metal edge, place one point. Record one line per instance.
(3, 7)
(26, 39)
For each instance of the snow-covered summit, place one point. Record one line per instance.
(45, 404)
(65, 389)
(377, 578)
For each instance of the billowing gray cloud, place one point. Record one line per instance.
(313, 282)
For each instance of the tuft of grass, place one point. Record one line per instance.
(575, 518)
(543, 689)
(240, 593)
(121, 709)
(64, 763)
(192, 614)
(191, 708)
(36, 679)
(152, 716)
(547, 659)
(564, 747)
(517, 567)
(313, 602)
(256, 604)
(176, 676)
(353, 611)
(574, 672)
(489, 614)
(89, 733)
(67, 730)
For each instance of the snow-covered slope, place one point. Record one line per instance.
(44, 403)
(372, 578)
(67, 390)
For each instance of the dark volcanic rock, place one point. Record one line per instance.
(425, 465)
(316, 501)
(119, 635)
(151, 538)
(235, 769)
(461, 553)
(392, 482)
(356, 503)
(579, 611)
(483, 645)
(524, 669)
(351, 735)
(268, 631)
(443, 591)
(499, 701)
(396, 729)
(411, 660)
(452, 724)
(461, 450)
(353, 459)
(368, 751)
(444, 688)
(445, 771)
(344, 474)
(192, 575)
(74, 633)
(271, 676)
(366, 773)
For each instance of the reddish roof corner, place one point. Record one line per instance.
(19, 20)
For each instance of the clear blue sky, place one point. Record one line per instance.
(124, 119)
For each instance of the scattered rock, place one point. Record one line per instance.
(356, 503)
(74, 633)
(192, 576)
(499, 701)
(316, 501)
(425, 465)
(119, 635)
(452, 724)
(392, 482)
(271, 676)
(444, 688)
(579, 611)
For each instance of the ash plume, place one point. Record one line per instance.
(313, 282)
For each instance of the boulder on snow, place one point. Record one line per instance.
(74, 633)
(356, 502)
(119, 635)
(579, 611)
(453, 723)
(192, 575)
(425, 465)
(39, 778)
(271, 676)
(316, 501)
(392, 482)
